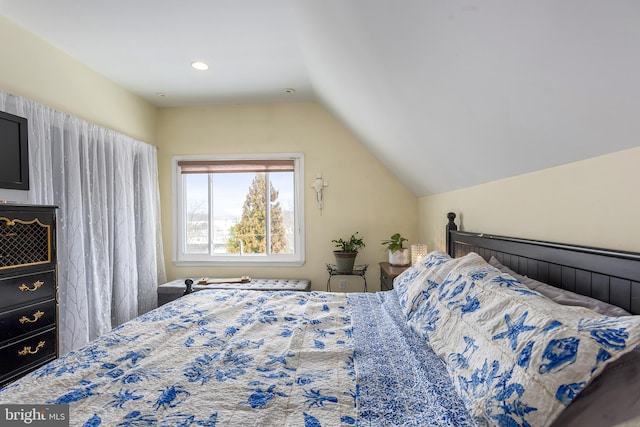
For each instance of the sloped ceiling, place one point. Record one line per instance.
(447, 94)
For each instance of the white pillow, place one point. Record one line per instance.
(514, 358)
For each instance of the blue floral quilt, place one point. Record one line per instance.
(238, 358)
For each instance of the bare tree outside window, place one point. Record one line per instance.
(197, 227)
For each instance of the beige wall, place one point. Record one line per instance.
(33, 69)
(362, 195)
(595, 202)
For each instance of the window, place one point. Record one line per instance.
(239, 210)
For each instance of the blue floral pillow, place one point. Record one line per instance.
(515, 357)
(408, 285)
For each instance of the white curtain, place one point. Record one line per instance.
(109, 246)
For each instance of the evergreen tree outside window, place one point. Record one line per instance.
(238, 210)
(250, 234)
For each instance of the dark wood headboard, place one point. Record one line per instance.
(608, 275)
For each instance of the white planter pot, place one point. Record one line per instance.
(399, 258)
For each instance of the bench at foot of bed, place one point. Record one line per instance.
(176, 288)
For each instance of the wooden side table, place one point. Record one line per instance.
(389, 272)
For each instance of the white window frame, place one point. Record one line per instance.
(180, 258)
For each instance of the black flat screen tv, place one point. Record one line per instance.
(14, 152)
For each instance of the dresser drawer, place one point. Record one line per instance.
(388, 273)
(386, 282)
(27, 353)
(26, 320)
(27, 289)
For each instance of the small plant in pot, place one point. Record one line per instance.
(398, 254)
(347, 251)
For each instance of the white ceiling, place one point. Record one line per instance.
(147, 46)
(447, 94)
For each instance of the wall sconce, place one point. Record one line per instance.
(418, 251)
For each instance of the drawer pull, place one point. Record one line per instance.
(37, 315)
(36, 285)
(27, 349)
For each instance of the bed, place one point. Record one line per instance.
(416, 355)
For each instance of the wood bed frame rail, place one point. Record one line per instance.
(608, 275)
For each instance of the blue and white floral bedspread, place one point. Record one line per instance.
(239, 358)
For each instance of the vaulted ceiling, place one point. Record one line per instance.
(447, 94)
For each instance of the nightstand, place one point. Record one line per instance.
(389, 272)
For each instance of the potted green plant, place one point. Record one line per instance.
(347, 251)
(398, 254)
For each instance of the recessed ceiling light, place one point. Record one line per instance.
(198, 65)
(161, 94)
(289, 91)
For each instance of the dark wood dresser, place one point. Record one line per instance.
(28, 289)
